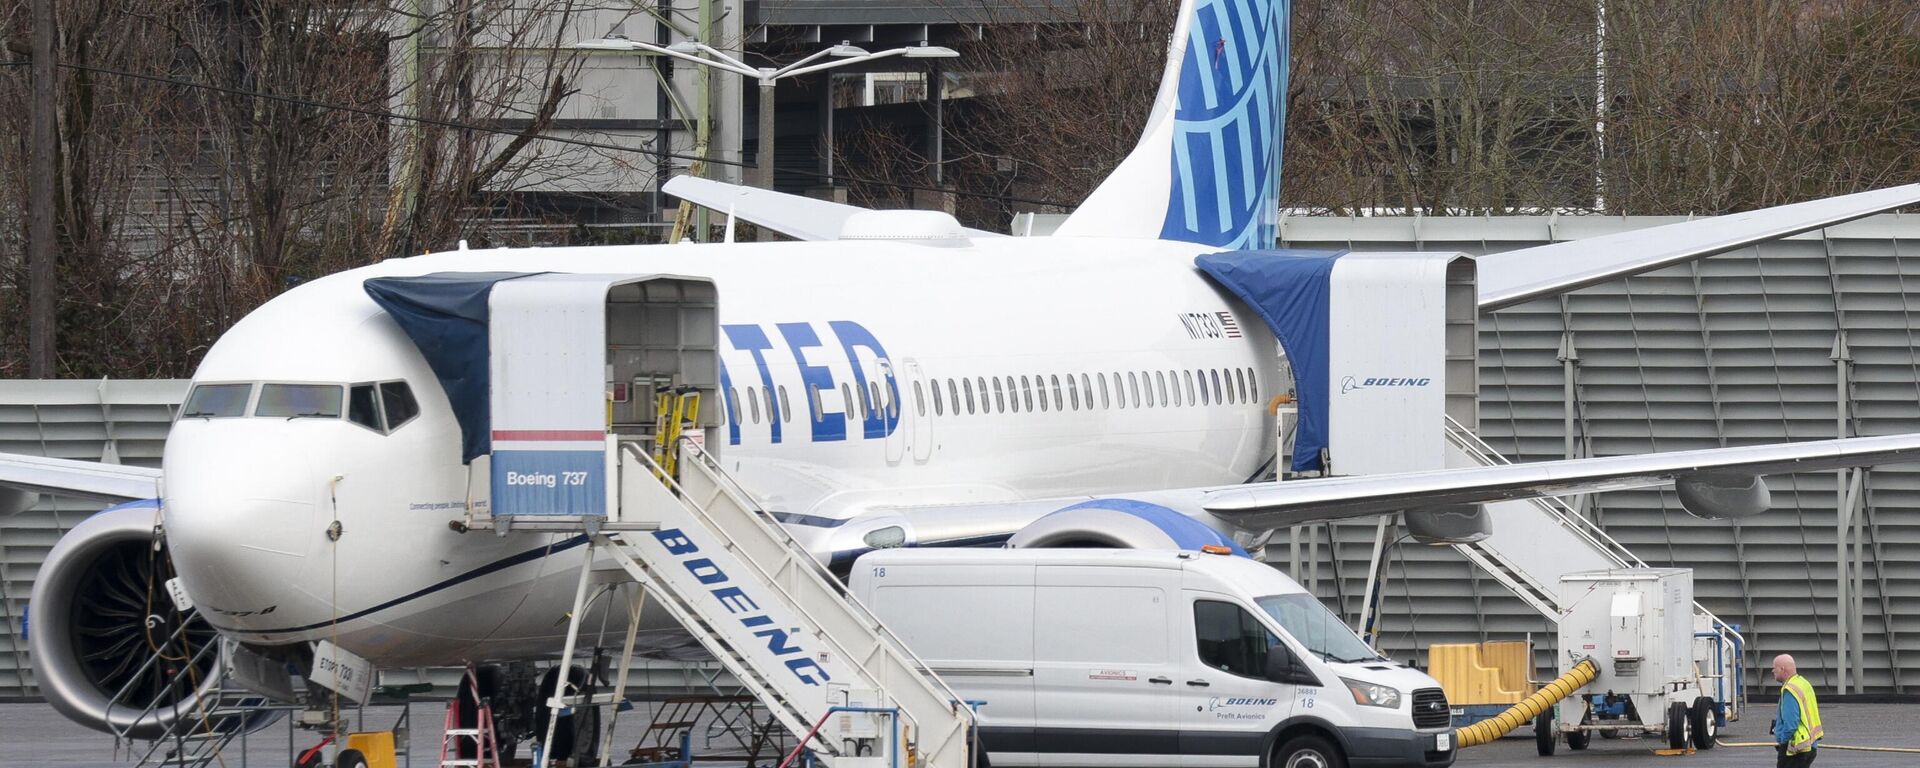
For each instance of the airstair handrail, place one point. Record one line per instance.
(823, 578)
(1572, 520)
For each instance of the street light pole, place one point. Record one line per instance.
(763, 160)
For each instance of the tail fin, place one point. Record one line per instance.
(1207, 168)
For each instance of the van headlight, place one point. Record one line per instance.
(1372, 694)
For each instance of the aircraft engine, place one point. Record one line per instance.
(1719, 496)
(1449, 524)
(100, 611)
(1119, 524)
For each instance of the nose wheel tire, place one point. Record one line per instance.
(1706, 725)
(1678, 734)
(1308, 752)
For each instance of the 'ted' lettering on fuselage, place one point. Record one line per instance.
(815, 385)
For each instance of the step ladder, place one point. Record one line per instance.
(823, 666)
(477, 738)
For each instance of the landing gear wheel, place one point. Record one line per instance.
(1308, 752)
(1544, 739)
(1578, 740)
(1706, 724)
(351, 759)
(1677, 726)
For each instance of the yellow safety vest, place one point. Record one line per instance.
(1809, 732)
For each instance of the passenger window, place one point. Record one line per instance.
(1133, 389)
(1160, 380)
(397, 399)
(999, 396)
(1206, 398)
(363, 407)
(1026, 393)
(953, 395)
(939, 403)
(1219, 395)
(1086, 385)
(1059, 397)
(1240, 385)
(217, 401)
(753, 404)
(813, 399)
(786, 412)
(919, 404)
(1073, 393)
(1040, 384)
(320, 401)
(1229, 639)
(967, 386)
(733, 406)
(1190, 398)
(873, 396)
(1105, 400)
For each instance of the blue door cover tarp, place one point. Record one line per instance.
(1290, 290)
(445, 313)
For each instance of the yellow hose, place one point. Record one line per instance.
(1529, 708)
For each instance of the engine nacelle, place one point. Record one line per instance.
(99, 609)
(1449, 524)
(1719, 495)
(1120, 524)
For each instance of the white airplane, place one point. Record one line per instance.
(891, 379)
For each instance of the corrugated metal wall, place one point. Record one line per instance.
(1732, 350)
(125, 421)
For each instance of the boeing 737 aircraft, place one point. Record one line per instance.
(891, 379)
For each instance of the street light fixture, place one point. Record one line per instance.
(705, 55)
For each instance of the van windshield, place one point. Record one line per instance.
(1316, 628)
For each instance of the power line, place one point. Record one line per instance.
(386, 115)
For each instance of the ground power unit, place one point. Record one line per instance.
(1658, 673)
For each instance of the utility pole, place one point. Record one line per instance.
(763, 162)
(40, 253)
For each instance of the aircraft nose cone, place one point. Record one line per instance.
(243, 512)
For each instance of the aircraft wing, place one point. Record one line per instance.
(1272, 505)
(86, 479)
(804, 218)
(1264, 506)
(1512, 277)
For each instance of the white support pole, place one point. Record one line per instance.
(566, 654)
(1842, 513)
(636, 604)
(1373, 578)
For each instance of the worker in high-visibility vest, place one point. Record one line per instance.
(1796, 731)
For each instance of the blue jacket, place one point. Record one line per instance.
(1789, 719)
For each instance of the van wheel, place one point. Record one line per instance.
(1578, 740)
(1308, 752)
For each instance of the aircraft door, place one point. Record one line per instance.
(885, 386)
(914, 410)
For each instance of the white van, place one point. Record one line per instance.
(1102, 657)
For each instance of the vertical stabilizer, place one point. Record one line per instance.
(1207, 168)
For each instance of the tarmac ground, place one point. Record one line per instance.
(35, 735)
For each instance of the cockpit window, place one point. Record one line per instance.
(401, 407)
(363, 407)
(217, 401)
(299, 400)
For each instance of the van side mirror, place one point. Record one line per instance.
(1284, 667)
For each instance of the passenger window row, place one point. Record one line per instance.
(1016, 394)
(1088, 391)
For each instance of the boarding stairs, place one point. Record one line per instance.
(775, 618)
(207, 725)
(1535, 541)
